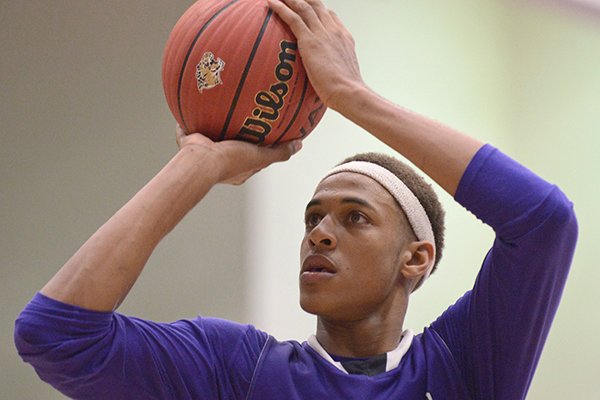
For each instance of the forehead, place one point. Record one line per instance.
(350, 184)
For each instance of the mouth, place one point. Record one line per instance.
(316, 268)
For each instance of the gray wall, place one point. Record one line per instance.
(84, 125)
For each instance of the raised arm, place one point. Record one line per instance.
(103, 270)
(497, 330)
(328, 54)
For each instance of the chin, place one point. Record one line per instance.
(325, 308)
(310, 305)
(318, 304)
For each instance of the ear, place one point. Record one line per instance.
(417, 258)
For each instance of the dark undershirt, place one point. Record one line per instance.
(363, 366)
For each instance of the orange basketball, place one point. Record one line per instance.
(231, 70)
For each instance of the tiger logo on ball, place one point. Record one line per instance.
(208, 71)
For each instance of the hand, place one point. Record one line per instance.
(326, 47)
(237, 160)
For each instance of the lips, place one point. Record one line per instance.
(316, 268)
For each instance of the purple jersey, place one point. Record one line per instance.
(485, 346)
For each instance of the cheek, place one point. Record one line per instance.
(303, 247)
(377, 265)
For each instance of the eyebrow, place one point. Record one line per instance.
(345, 200)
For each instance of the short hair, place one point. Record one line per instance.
(420, 188)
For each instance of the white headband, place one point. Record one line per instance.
(415, 213)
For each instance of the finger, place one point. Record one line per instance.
(322, 12)
(283, 152)
(336, 20)
(266, 156)
(242, 178)
(306, 11)
(296, 22)
(245, 159)
(179, 135)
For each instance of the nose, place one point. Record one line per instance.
(322, 236)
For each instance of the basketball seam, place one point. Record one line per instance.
(295, 113)
(187, 56)
(245, 74)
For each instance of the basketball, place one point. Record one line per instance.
(231, 70)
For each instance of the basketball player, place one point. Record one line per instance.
(373, 235)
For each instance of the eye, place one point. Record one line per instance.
(357, 217)
(312, 220)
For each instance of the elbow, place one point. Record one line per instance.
(564, 221)
(25, 335)
(34, 335)
(28, 335)
(566, 212)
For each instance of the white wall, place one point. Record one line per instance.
(556, 100)
(520, 75)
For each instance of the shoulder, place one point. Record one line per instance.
(220, 332)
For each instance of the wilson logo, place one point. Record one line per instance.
(269, 102)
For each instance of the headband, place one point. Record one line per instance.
(415, 213)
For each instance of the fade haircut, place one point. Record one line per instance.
(421, 189)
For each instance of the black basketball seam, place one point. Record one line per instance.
(187, 56)
(245, 74)
(295, 113)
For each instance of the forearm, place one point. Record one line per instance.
(329, 56)
(441, 152)
(102, 271)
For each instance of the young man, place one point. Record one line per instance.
(373, 235)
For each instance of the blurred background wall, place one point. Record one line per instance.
(84, 125)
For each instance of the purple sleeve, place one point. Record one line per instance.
(497, 330)
(99, 355)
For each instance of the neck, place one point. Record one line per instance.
(366, 337)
